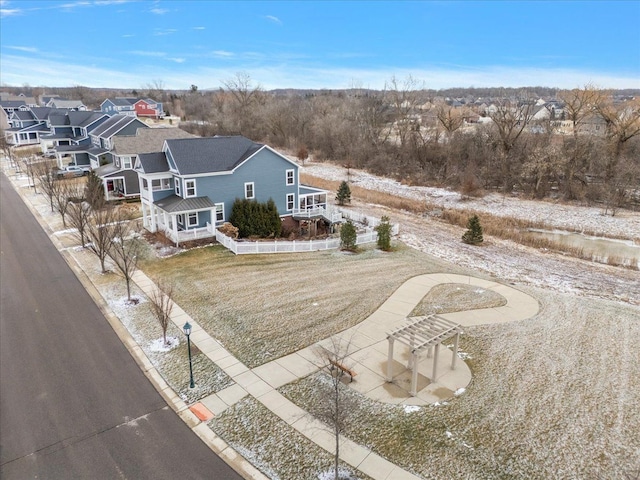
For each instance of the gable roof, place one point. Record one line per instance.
(147, 140)
(64, 103)
(83, 119)
(153, 162)
(212, 154)
(114, 125)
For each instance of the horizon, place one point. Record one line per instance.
(440, 45)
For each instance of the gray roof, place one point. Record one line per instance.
(82, 119)
(213, 154)
(106, 169)
(64, 103)
(153, 162)
(175, 204)
(23, 115)
(12, 103)
(147, 140)
(113, 125)
(122, 101)
(41, 113)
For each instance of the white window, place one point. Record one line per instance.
(126, 162)
(166, 184)
(291, 199)
(249, 190)
(219, 213)
(177, 187)
(193, 219)
(290, 177)
(190, 188)
(145, 184)
(180, 218)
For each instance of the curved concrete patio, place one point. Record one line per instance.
(368, 345)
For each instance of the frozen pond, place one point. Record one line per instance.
(599, 247)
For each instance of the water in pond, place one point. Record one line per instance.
(600, 248)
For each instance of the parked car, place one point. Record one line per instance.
(85, 168)
(73, 171)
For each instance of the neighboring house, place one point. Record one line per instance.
(145, 107)
(70, 135)
(102, 137)
(26, 126)
(68, 104)
(132, 107)
(189, 189)
(119, 178)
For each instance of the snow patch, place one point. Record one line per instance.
(158, 344)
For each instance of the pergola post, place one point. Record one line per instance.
(435, 362)
(411, 343)
(455, 351)
(414, 374)
(390, 360)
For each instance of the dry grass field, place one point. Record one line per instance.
(262, 307)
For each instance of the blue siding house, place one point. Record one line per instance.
(189, 189)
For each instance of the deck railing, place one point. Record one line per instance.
(328, 213)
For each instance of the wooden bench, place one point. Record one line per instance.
(333, 365)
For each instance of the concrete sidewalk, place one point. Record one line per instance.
(367, 354)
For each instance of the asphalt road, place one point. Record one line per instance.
(73, 402)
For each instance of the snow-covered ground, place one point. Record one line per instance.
(503, 259)
(559, 215)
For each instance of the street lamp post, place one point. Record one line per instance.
(187, 331)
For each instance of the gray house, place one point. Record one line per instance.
(189, 189)
(119, 178)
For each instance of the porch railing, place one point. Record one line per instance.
(328, 213)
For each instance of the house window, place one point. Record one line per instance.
(291, 199)
(145, 184)
(126, 162)
(219, 213)
(193, 219)
(166, 184)
(249, 190)
(180, 219)
(290, 177)
(177, 187)
(190, 188)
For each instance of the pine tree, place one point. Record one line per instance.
(344, 193)
(384, 234)
(348, 236)
(473, 235)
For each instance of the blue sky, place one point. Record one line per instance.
(330, 44)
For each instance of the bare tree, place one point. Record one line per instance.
(6, 148)
(335, 405)
(68, 191)
(100, 231)
(450, 118)
(48, 180)
(162, 305)
(125, 247)
(79, 215)
(510, 118)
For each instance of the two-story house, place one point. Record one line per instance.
(142, 107)
(102, 137)
(70, 135)
(189, 188)
(119, 178)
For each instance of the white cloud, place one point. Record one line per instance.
(222, 53)
(145, 53)
(9, 12)
(18, 70)
(23, 49)
(128, 35)
(273, 19)
(159, 11)
(166, 31)
(199, 28)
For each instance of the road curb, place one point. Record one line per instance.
(232, 458)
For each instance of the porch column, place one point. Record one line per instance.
(174, 228)
(455, 351)
(390, 360)
(414, 374)
(145, 221)
(435, 362)
(154, 212)
(411, 341)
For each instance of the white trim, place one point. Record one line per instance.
(253, 190)
(258, 151)
(292, 201)
(187, 188)
(215, 213)
(293, 176)
(189, 215)
(177, 186)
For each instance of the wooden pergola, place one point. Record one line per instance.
(420, 334)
